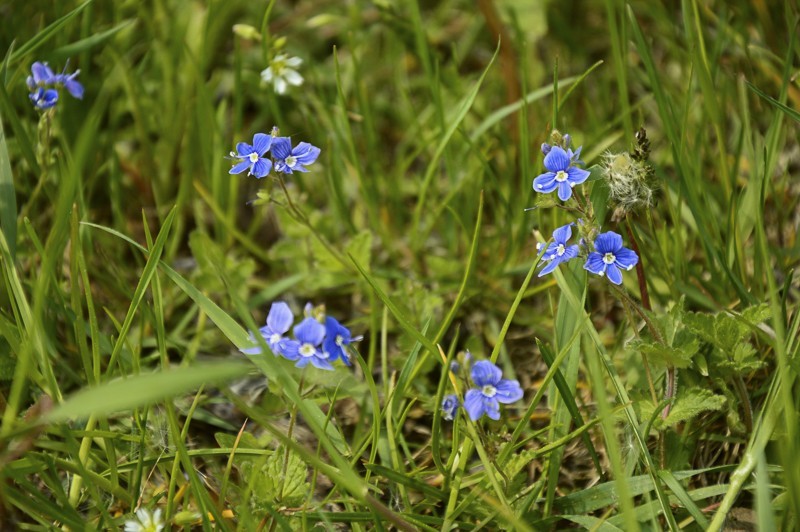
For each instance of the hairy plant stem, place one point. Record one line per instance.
(671, 384)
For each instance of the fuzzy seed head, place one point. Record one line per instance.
(629, 182)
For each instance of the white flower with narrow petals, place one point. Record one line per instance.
(281, 73)
(145, 521)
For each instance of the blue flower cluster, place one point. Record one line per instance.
(44, 85)
(313, 343)
(284, 158)
(609, 257)
(490, 390)
(563, 173)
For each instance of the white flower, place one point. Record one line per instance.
(145, 521)
(281, 73)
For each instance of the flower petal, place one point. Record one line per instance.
(290, 349)
(244, 149)
(562, 234)
(321, 363)
(292, 77)
(484, 372)
(557, 159)
(473, 404)
(305, 153)
(564, 191)
(280, 85)
(508, 391)
(261, 143)
(626, 258)
(74, 88)
(491, 407)
(570, 253)
(280, 317)
(281, 148)
(549, 267)
(576, 176)
(266, 74)
(42, 74)
(613, 274)
(240, 167)
(609, 242)
(261, 168)
(310, 331)
(293, 62)
(545, 183)
(595, 264)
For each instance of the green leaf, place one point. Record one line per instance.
(271, 484)
(44, 35)
(690, 403)
(77, 47)
(133, 392)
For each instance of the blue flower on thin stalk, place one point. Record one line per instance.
(337, 337)
(449, 406)
(279, 321)
(558, 250)
(288, 159)
(252, 157)
(306, 350)
(610, 257)
(561, 175)
(492, 389)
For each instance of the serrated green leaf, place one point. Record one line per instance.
(690, 403)
(278, 479)
(679, 355)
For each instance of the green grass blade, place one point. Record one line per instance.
(8, 197)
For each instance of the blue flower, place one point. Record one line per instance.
(491, 390)
(288, 160)
(306, 350)
(337, 336)
(44, 98)
(252, 157)
(279, 321)
(609, 256)
(449, 407)
(42, 76)
(558, 251)
(562, 175)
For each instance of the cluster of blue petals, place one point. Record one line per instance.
(44, 85)
(490, 390)
(285, 158)
(562, 173)
(609, 257)
(313, 343)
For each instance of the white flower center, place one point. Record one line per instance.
(291, 161)
(307, 350)
(339, 340)
(561, 176)
(253, 157)
(560, 250)
(489, 390)
(275, 338)
(609, 258)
